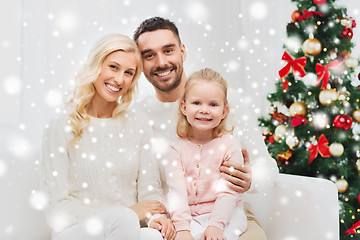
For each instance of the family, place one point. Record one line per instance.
(171, 166)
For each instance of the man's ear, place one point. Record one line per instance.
(226, 111)
(183, 107)
(183, 52)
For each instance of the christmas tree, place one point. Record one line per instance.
(313, 128)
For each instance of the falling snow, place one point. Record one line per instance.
(244, 45)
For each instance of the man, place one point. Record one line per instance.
(163, 56)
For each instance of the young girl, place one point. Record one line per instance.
(201, 205)
(97, 168)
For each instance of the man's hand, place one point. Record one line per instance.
(238, 175)
(165, 226)
(144, 209)
(212, 233)
(184, 235)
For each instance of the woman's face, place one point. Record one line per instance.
(116, 75)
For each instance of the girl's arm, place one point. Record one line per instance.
(177, 196)
(227, 199)
(63, 209)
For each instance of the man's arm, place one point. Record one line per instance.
(237, 174)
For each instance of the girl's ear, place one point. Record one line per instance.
(183, 107)
(226, 111)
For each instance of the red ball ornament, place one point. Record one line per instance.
(296, 15)
(353, 23)
(343, 121)
(347, 32)
(317, 2)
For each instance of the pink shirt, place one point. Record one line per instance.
(195, 184)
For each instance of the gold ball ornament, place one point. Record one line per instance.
(292, 141)
(328, 96)
(346, 22)
(297, 109)
(312, 47)
(336, 149)
(342, 185)
(358, 165)
(280, 132)
(351, 62)
(356, 115)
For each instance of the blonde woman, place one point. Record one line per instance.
(201, 204)
(97, 168)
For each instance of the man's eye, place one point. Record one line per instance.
(168, 51)
(148, 56)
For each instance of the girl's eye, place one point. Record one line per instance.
(196, 103)
(213, 104)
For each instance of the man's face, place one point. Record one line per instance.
(163, 58)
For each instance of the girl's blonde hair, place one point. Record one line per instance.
(84, 89)
(183, 128)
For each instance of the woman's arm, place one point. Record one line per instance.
(63, 209)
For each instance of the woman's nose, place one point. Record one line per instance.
(119, 79)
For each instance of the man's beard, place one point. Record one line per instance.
(174, 85)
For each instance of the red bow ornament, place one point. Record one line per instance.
(353, 228)
(322, 147)
(323, 72)
(298, 120)
(285, 84)
(297, 65)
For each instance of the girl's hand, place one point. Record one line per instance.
(184, 235)
(165, 226)
(212, 233)
(144, 209)
(238, 175)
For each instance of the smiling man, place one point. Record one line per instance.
(163, 55)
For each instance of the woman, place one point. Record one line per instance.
(97, 168)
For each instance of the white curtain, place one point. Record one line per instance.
(44, 42)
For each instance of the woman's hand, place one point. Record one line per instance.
(165, 226)
(212, 233)
(184, 235)
(144, 209)
(238, 175)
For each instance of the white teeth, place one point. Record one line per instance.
(112, 88)
(163, 74)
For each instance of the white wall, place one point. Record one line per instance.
(43, 42)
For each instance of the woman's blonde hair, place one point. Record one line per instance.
(183, 128)
(84, 89)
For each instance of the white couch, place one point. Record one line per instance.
(296, 208)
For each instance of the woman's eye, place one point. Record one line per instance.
(129, 73)
(114, 67)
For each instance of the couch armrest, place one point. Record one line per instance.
(298, 208)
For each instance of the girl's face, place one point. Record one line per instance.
(117, 72)
(204, 106)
